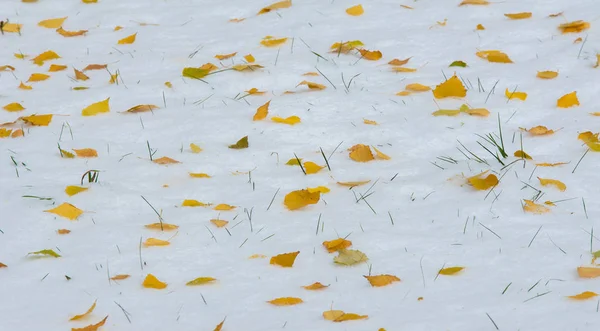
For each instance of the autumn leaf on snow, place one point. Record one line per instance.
(162, 226)
(25, 87)
(201, 281)
(63, 231)
(219, 223)
(341, 316)
(312, 168)
(354, 184)
(120, 277)
(345, 47)
(13, 107)
(67, 211)
(240, 144)
(494, 56)
(369, 122)
(81, 316)
(199, 175)
(583, 296)
(56, 67)
(285, 260)
(86, 152)
(361, 153)
(311, 85)
(249, 58)
(450, 271)
(547, 74)
(155, 242)
(92, 327)
(474, 2)
(539, 130)
(553, 182)
(355, 10)
(479, 182)
(458, 64)
(37, 120)
(72, 190)
(69, 34)
(315, 286)
(568, 100)
(515, 95)
(195, 148)
(165, 160)
(535, 208)
(141, 109)
(270, 41)
(37, 77)
(588, 272)
(453, 87)
(246, 67)
(301, 198)
(382, 280)
(285, 301)
(370, 55)
(45, 56)
(518, 16)
(2, 265)
(337, 244)
(255, 91)
(416, 87)
(350, 257)
(52, 23)
(573, 27)
(262, 112)
(225, 56)
(96, 108)
(396, 62)
(522, 154)
(275, 6)
(152, 282)
(195, 73)
(127, 40)
(291, 120)
(11, 27)
(45, 252)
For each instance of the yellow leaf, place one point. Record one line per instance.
(67, 211)
(152, 282)
(257, 256)
(2, 265)
(13, 107)
(162, 226)
(312, 86)
(165, 160)
(237, 20)
(155, 242)
(403, 69)
(312, 168)
(52, 23)
(113, 78)
(25, 87)
(396, 62)
(95, 67)
(311, 73)
(273, 42)
(447, 112)
(289, 120)
(518, 16)
(588, 272)
(45, 252)
(361, 153)
(583, 295)
(285, 260)
(293, 162)
(141, 108)
(416, 87)
(246, 67)
(275, 6)
(568, 100)
(19, 56)
(515, 95)
(382, 280)
(286, 301)
(120, 277)
(128, 40)
(89, 1)
(588, 137)
(72, 190)
(56, 67)
(540, 130)
(407, 7)
(37, 77)
(547, 74)
(89, 311)
(557, 183)
(240, 144)
(224, 207)
(301, 198)
(494, 56)
(450, 271)
(195, 73)
(369, 122)
(355, 10)
(353, 184)
(12, 27)
(480, 27)
(45, 56)
(96, 108)
(168, 84)
(535, 208)
(225, 56)
(195, 148)
(477, 112)
(597, 61)
(320, 189)
(66, 154)
(474, 2)
(332, 315)
(380, 155)
(4, 133)
(80, 75)
(91, 327)
(453, 87)
(350, 257)
(193, 203)
(255, 91)
(219, 223)
(68, 34)
(315, 286)
(249, 58)
(370, 55)
(337, 244)
(86, 152)
(480, 183)
(550, 164)
(219, 326)
(262, 112)
(200, 281)
(7, 68)
(350, 317)
(522, 155)
(573, 27)
(345, 47)
(199, 175)
(38, 120)
(63, 231)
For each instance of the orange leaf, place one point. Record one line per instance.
(225, 56)
(119, 277)
(262, 112)
(535, 208)
(370, 55)
(315, 286)
(89, 311)
(396, 62)
(63, 231)
(86, 152)
(583, 295)
(69, 34)
(127, 40)
(572, 27)
(337, 244)
(219, 326)
(165, 160)
(92, 327)
(80, 75)
(382, 280)
(285, 260)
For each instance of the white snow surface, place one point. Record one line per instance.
(438, 219)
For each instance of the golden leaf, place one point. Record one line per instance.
(480, 183)
(80, 75)
(246, 67)
(152, 282)
(13, 107)
(86, 152)
(219, 326)
(332, 315)
(555, 15)
(225, 56)
(288, 120)
(165, 160)
(89, 311)
(155, 242)
(550, 164)
(353, 184)
(25, 87)
(477, 112)
(450, 271)
(547, 74)
(370, 55)
(453, 87)
(355, 10)
(219, 223)
(557, 183)
(7, 68)
(286, 301)
(262, 112)
(474, 2)
(369, 122)
(249, 58)
(480, 27)
(320, 189)
(162, 226)
(361, 153)
(2, 265)
(195, 148)
(572, 27)
(63, 231)
(301, 198)
(315, 286)
(337, 244)
(45, 252)
(52, 23)
(12, 27)
(257, 256)
(515, 95)
(255, 91)
(168, 84)
(540, 130)
(380, 155)
(583, 295)
(127, 40)
(96, 108)
(92, 327)
(224, 207)
(312, 86)
(37, 77)
(403, 69)
(201, 281)
(396, 62)
(199, 175)
(494, 56)
(518, 16)
(240, 144)
(72, 190)
(237, 20)
(141, 108)
(350, 257)
(275, 6)
(312, 168)
(272, 42)
(285, 260)
(416, 87)
(193, 203)
(588, 272)
(568, 100)
(535, 208)
(68, 34)
(95, 67)
(45, 56)
(67, 211)
(38, 120)
(56, 67)
(345, 47)
(382, 280)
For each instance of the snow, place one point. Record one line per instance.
(438, 219)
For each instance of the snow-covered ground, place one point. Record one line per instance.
(416, 216)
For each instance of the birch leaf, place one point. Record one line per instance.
(355, 10)
(453, 87)
(301, 198)
(127, 40)
(286, 301)
(535, 208)
(350, 257)
(89, 311)
(568, 100)
(450, 271)
(285, 260)
(315, 286)
(201, 281)
(92, 327)
(52, 23)
(96, 108)
(155, 242)
(518, 16)
(72, 190)
(361, 153)
(13, 107)
(152, 282)
(66, 210)
(45, 252)
(38, 120)
(588, 272)
(553, 182)
(262, 112)
(547, 74)
(337, 244)
(240, 144)
(381, 280)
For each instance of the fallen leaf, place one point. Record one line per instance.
(380, 155)
(370, 55)
(199, 175)
(285, 260)
(568, 100)
(262, 112)
(25, 87)
(447, 112)
(275, 6)
(249, 58)
(332, 315)
(72, 190)
(38, 120)
(224, 207)
(588, 272)
(219, 223)
(225, 56)
(315, 286)
(301, 198)
(540, 130)
(155, 242)
(355, 10)
(195, 73)
(141, 108)
(337, 244)
(550, 164)
(474, 2)
(13, 107)
(286, 301)
(403, 69)
(240, 144)
(119, 277)
(573, 27)
(353, 184)
(255, 91)
(522, 155)
(257, 256)
(515, 95)
(45, 252)
(63, 231)
(246, 67)
(56, 67)
(557, 183)
(583, 295)
(453, 87)
(458, 64)
(201, 281)
(369, 122)
(127, 40)
(89, 311)
(219, 326)
(237, 20)
(396, 62)
(345, 47)
(66, 210)
(361, 153)
(350, 257)
(480, 27)
(195, 148)
(340, 316)
(518, 16)
(320, 189)
(92, 327)
(7, 68)
(288, 120)
(535, 208)
(12, 27)
(168, 84)
(86, 152)
(69, 34)
(95, 67)
(37, 77)
(162, 226)
(479, 182)
(272, 42)
(45, 56)
(312, 86)
(450, 271)
(547, 74)
(312, 168)
(2, 265)
(52, 23)
(96, 108)
(494, 56)
(555, 15)
(165, 160)
(382, 280)
(416, 87)
(152, 282)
